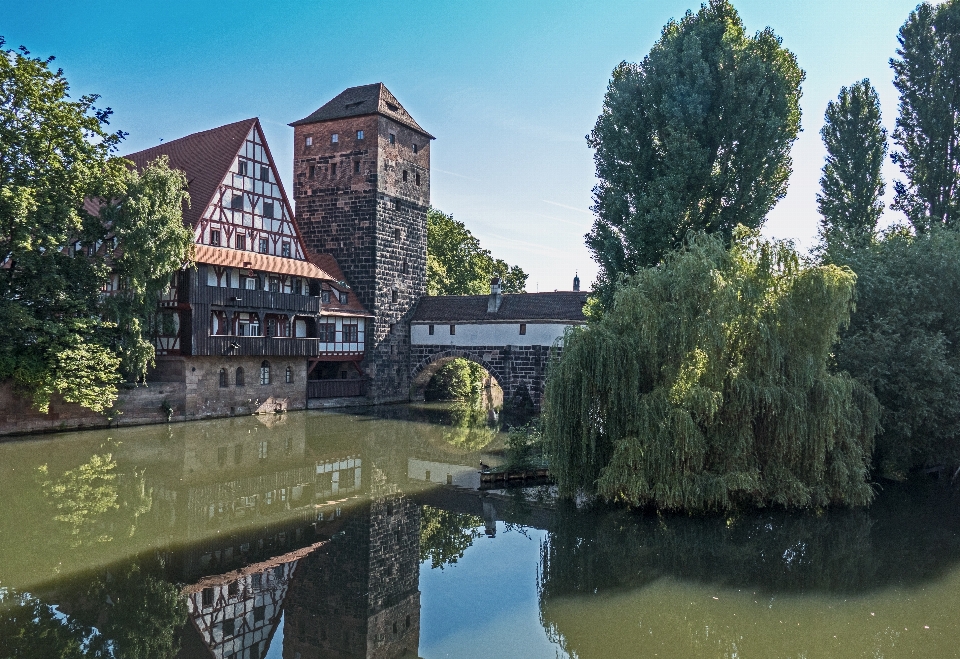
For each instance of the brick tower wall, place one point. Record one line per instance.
(356, 218)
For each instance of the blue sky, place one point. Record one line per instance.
(509, 88)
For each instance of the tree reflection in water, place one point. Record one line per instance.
(445, 536)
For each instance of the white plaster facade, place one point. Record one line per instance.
(488, 334)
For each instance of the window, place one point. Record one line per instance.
(430, 330)
(313, 171)
(393, 138)
(215, 237)
(414, 148)
(228, 626)
(418, 178)
(223, 377)
(274, 284)
(239, 378)
(351, 333)
(242, 167)
(297, 286)
(264, 372)
(404, 176)
(453, 330)
(250, 283)
(259, 613)
(396, 235)
(334, 138)
(232, 589)
(327, 332)
(236, 203)
(343, 298)
(241, 241)
(264, 246)
(359, 134)
(264, 173)
(394, 295)
(356, 166)
(256, 580)
(289, 375)
(285, 248)
(403, 268)
(207, 597)
(268, 209)
(262, 454)
(333, 169)
(523, 328)
(324, 297)
(271, 326)
(308, 141)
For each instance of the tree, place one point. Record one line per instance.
(927, 75)
(705, 386)
(445, 536)
(904, 343)
(62, 335)
(696, 137)
(457, 265)
(851, 188)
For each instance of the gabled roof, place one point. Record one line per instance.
(362, 100)
(234, 258)
(563, 307)
(205, 157)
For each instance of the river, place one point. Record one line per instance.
(364, 534)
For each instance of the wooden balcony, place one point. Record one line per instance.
(335, 388)
(242, 299)
(247, 346)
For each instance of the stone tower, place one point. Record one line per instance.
(361, 169)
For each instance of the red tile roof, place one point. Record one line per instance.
(235, 258)
(205, 157)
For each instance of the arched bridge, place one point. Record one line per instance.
(510, 336)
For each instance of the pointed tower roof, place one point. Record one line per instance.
(363, 100)
(204, 156)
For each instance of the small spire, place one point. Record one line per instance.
(576, 281)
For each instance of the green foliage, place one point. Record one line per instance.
(469, 428)
(697, 137)
(705, 386)
(445, 536)
(61, 334)
(927, 75)
(457, 265)
(904, 342)
(851, 188)
(29, 628)
(525, 446)
(458, 379)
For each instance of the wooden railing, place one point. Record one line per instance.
(335, 388)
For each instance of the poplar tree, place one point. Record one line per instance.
(851, 188)
(696, 137)
(927, 75)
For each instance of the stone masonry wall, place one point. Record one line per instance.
(374, 223)
(510, 366)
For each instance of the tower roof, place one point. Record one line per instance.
(204, 157)
(362, 100)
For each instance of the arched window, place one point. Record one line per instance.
(223, 377)
(240, 381)
(264, 372)
(289, 375)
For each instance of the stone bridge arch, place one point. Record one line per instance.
(514, 368)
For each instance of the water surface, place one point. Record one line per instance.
(364, 535)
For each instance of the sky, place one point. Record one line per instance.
(510, 89)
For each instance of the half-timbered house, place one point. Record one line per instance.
(260, 323)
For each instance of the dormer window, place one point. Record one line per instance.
(359, 134)
(343, 297)
(325, 297)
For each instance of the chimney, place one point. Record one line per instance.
(576, 282)
(496, 298)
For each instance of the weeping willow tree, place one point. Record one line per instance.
(705, 386)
